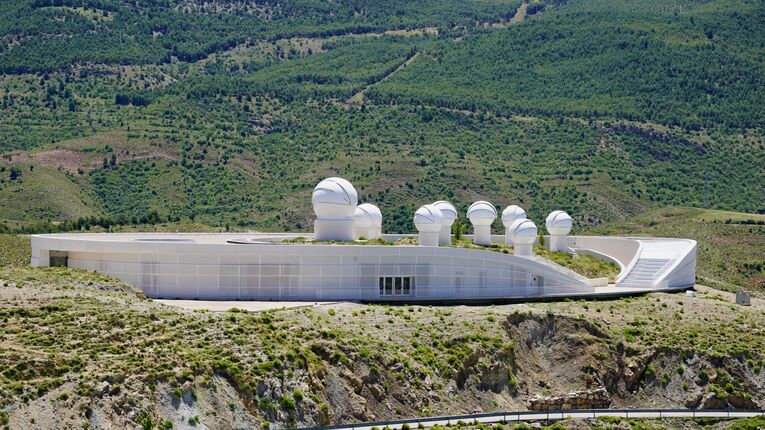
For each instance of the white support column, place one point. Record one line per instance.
(558, 243)
(40, 257)
(522, 250)
(340, 229)
(428, 238)
(482, 234)
(445, 235)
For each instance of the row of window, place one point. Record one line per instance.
(397, 286)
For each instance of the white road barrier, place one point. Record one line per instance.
(505, 417)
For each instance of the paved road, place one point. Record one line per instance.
(510, 417)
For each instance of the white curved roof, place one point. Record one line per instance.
(523, 231)
(512, 213)
(447, 209)
(367, 215)
(334, 198)
(558, 223)
(482, 210)
(428, 218)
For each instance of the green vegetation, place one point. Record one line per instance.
(85, 328)
(182, 115)
(15, 250)
(651, 323)
(585, 265)
(671, 65)
(153, 31)
(604, 109)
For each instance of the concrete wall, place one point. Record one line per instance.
(623, 250)
(310, 271)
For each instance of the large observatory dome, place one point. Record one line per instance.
(558, 223)
(428, 219)
(482, 213)
(523, 232)
(512, 213)
(334, 198)
(447, 209)
(367, 215)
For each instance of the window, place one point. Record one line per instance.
(396, 286)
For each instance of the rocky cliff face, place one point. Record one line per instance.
(110, 359)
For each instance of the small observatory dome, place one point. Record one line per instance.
(523, 231)
(334, 198)
(366, 216)
(428, 219)
(558, 223)
(448, 210)
(512, 213)
(482, 213)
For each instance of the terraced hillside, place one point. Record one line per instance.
(227, 113)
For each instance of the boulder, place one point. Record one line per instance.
(711, 401)
(740, 402)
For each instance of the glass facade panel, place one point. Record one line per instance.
(396, 285)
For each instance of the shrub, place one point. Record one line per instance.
(298, 395)
(264, 404)
(287, 403)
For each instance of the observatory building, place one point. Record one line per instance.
(348, 257)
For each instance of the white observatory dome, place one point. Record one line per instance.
(367, 216)
(448, 210)
(512, 213)
(428, 219)
(334, 198)
(558, 223)
(523, 232)
(482, 213)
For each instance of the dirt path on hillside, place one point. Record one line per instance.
(358, 97)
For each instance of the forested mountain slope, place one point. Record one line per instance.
(228, 113)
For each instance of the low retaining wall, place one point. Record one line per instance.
(591, 399)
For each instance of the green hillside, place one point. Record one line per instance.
(692, 64)
(605, 109)
(50, 34)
